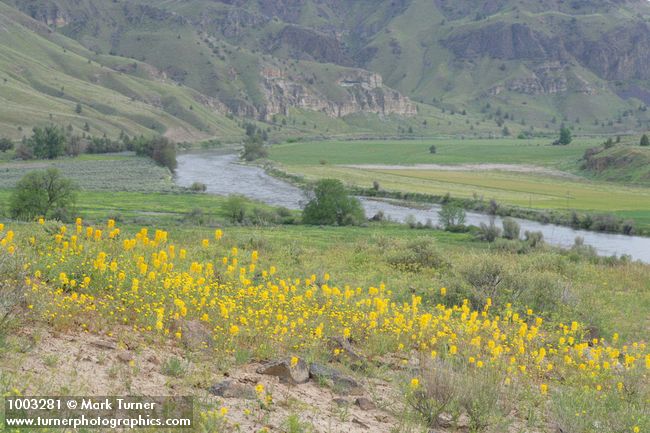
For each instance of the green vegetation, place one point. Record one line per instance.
(98, 173)
(451, 216)
(332, 205)
(46, 143)
(6, 144)
(43, 194)
(565, 137)
(537, 151)
(556, 189)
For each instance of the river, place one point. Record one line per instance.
(223, 175)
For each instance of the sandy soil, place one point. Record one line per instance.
(514, 168)
(51, 363)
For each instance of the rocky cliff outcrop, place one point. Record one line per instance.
(307, 44)
(361, 91)
(622, 54)
(548, 78)
(506, 42)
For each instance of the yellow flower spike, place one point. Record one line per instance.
(415, 383)
(443, 291)
(294, 361)
(543, 389)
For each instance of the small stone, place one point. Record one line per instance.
(110, 345)
(195, 334)
(382, 418)
(365, 403)
(463, 422)
(232, 389)
(336, 380)
(296, 374)
(340, 402)
(445, 420)
(125, 356)
(344, 345)
(360, 423)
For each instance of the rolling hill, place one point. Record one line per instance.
(339, 66)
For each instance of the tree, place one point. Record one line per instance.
(254, 148)
(78, 109)
(645, 141)
(47, 143)
(565, 136)
(433, 149)
(43, 193)
(331, 205)
(161, 149)
(6, 144)
(451, 215)
(511, 229)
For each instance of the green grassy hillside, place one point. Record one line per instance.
(43, 76)
(525, 65)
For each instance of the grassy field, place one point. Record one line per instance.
(98, 173)
(547, 188)
(452, 151)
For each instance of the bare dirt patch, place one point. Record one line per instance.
(513, 168)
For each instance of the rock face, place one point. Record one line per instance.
(548, 78)
(358, 91)
(506, 42)
(307, 44)
(622, 54)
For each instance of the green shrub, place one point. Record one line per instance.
(488, 232)
(418, 254)
(174, 367)
(511, 229)
(235, 208)
(43, 193)
(331, 205)
(6, 144)
(451, 215)
(198, 187)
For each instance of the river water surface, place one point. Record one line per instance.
(223, 175)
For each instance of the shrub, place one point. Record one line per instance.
(331, 205)
(43, 193)
(198, 187)
(534, 239)
(440, 387)
(417, 255)
(174, 367)
(235, 208)
(432, 149)
(451, 215)
(645, 141)
(565, 137)
(6, 144)
(511, 229)
(488, 232)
